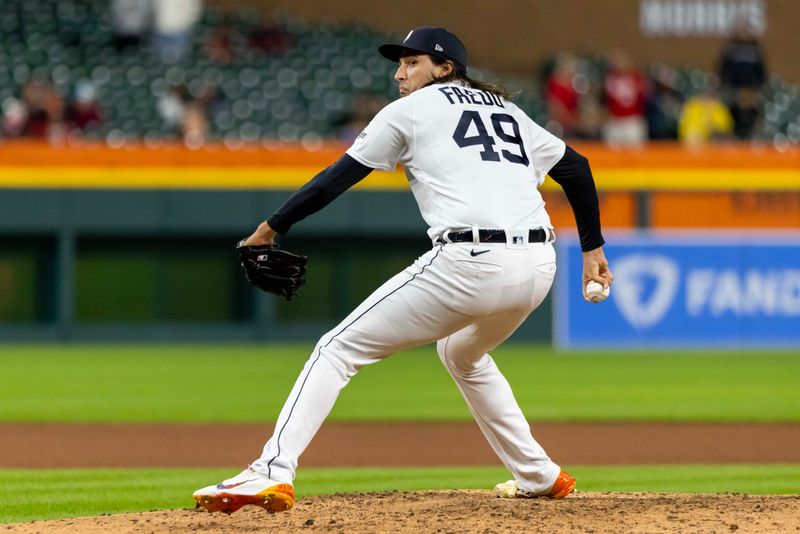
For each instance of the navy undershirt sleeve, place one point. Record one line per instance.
(574, 175)
(318, 193)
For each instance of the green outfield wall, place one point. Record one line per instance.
(136, 243)
(158, 264)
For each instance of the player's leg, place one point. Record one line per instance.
(487, 392)
(416, 307)
(441, 293)
(492, 403)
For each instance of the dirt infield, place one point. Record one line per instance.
(28, 445)
(464, 511)
(424, 444)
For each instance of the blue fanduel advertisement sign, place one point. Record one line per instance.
(687, 289)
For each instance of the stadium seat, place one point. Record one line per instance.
(297, 95)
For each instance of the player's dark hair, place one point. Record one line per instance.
(459, 74)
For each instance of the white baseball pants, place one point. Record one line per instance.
(468, 305)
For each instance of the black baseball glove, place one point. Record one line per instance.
(271, 269)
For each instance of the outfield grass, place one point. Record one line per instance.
(169, 383)
(118, 383)
(51, 494)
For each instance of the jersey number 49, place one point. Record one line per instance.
(487, 141)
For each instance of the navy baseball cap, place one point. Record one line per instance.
(428, 40)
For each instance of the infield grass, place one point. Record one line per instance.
(167, 383)
(51, 494)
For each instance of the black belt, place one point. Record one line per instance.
(493, 236)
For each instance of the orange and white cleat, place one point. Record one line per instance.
(247, 488)
(563, 486)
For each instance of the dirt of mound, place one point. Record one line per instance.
(354, 444)
(465, 511)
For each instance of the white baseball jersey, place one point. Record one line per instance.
(484, 173)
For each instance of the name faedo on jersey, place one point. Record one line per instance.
(484, 174)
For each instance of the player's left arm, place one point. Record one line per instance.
(378, 147)
(573, 173)
(323, 189)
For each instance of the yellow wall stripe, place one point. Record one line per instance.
(178, 178)
(661, 179)
(611, 179)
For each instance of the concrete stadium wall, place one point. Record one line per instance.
(517, 35)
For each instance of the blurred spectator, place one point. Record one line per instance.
(220, 41)
(270, 36)
(195, 124)
(45, 110)
(704, 118)
(590, 104)
(363, 108)
(742, 73)
(561, 97)
(741, 63)
(206, 102)
(663, 108)
(174, 23)
(83, 113)
(171, 107)
(131, 20)
(624, 89)
(187, 116)
(212, 99)
(15, 117)
(746, 113)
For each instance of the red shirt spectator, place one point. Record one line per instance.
(84, 113)
(625, 91)
(45, 110)
(561, 93)
(625, 88)
(563, 100)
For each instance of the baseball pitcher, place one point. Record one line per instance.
(474, 161)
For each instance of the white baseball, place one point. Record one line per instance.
(596, 292)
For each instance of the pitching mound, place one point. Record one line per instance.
(465, 511)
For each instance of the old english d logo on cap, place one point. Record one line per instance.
(429, 40)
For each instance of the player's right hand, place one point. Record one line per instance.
(595, 268)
